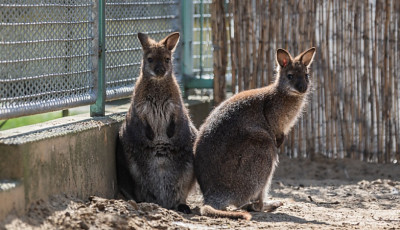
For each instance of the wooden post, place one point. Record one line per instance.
(220, 51)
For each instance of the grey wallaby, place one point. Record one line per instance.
(155, 144)
(236, 150)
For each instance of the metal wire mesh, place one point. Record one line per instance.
(124, 19)
(202, 42)
(46, 55)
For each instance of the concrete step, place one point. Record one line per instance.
(12, 197)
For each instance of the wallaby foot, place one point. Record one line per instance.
(207, 210)
(258, 206)
(271, 206)
(255, 206)
(184, 209)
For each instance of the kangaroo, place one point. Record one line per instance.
(236, 150)
(155, 145)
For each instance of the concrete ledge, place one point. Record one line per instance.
(73, 155)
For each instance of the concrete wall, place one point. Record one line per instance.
(72, 155)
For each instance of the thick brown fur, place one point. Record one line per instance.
(236, 151)
(155, 144)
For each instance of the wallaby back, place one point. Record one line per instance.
(155, 151)
(236, 148)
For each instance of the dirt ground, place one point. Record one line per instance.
(322, 194)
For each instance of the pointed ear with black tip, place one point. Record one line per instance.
(283, 58)
(144, 40)
(171, 40)
(307, 56)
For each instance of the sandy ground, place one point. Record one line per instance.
(323, 194)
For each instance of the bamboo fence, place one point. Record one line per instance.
(354, 108)
(220, 49)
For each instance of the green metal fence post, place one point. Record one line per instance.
(187, 40)
(98, 109)
(201, 36)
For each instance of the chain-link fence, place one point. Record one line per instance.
(49, 50)
(124, 19)
(202, 43)
(46, 55)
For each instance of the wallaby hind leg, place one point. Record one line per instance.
(259, 205)
(216, 202)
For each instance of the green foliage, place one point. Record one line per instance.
(32, 119)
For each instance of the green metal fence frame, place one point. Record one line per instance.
(98, 109)
(188, 80)
(191, 81)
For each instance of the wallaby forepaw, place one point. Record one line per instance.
(271, 206)
(184, 208)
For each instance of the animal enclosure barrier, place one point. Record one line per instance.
(355, 107)
(49, 50)
(46, 56)
(202, 44)
(49, 55)
(124, 19)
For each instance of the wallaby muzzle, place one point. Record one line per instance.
(159, 70)
(301, 87)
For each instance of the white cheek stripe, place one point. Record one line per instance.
(151, 72)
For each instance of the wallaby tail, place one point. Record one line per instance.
(207, 210)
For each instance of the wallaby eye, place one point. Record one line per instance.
(167, 60)
(307, 76)
(290, 76)
(150, 60)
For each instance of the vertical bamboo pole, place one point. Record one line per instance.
(387, 93)
(261, 47)
(366, 38)
(357, 77)
(327, 81)
(220, 52)
(372, 92)
(338, 75)
(271, 51)
(346, 85)
(375, 67)
(253, 32)
(312, 140)
(237, 24)
(246, 46)
(397, 84)
(321, 115)
(233, 37)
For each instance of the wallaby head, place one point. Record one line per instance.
(293, 73)
(157, 56)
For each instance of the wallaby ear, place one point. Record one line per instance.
(307, 56)
(171, 40)
(283, 58)
(144, 40)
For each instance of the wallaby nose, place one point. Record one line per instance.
(301, 87)
(159, 70)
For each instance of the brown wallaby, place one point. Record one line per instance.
(155, 144)
(236, 150)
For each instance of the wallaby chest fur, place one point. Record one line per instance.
(236, 151)
(155, 145)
